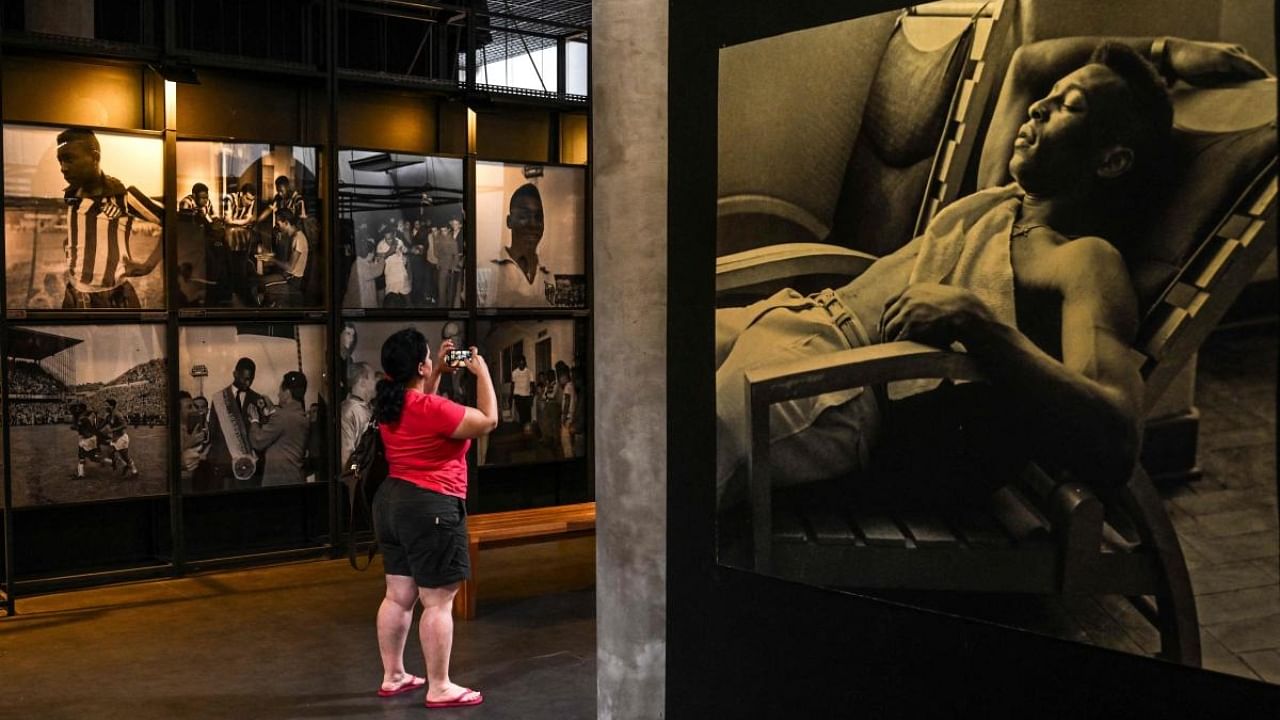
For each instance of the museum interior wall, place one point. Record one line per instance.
(258, 207)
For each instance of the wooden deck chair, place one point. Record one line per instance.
(930, 84)
(1035, 535)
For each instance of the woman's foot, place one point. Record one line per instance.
(402, 684)
(453, 696)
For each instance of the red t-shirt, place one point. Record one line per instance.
(419, 448)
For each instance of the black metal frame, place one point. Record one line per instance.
(159, 29)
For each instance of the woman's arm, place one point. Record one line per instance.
(483, 418)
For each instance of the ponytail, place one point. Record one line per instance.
(401, 354)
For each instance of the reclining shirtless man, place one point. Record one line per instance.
(1022, 276)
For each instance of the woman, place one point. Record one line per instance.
(419, 512)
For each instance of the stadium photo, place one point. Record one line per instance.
(87, 413)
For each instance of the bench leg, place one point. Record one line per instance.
(464, 603)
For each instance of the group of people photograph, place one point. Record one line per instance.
(253, 407)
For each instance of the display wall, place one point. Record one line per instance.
(727, 625)
(230, 265)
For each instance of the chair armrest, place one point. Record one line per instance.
(778, 263)
(858, 367)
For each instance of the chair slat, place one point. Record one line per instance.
(879, 530)
(1016, 514)
(829, 526)
(928, 530)
(787, 527)
(980, 530)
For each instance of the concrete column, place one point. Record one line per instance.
(629, 167)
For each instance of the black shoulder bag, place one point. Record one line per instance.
(363, 473)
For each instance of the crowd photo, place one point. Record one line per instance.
(88, 418)
(84, 216)
(402, 230)
(530, 236)
(360, 369)
(254, 407)
(538, 371)
(249, 226)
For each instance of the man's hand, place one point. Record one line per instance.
(934, 314)
(133, 268)
(1211, 63)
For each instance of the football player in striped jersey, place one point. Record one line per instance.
(101, 212)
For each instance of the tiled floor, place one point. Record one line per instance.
(297, 641)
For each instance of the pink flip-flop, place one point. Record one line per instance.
(466, 698)
(413, 683)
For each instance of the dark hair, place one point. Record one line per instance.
(401, 354)
(77, 134)
(248, 188)
(245, 363)
(1145, 127)
(296, 383)
(198, 398)
(528, 190)
(184, 394)
(282, 180)
(199, 188)
(287, 216)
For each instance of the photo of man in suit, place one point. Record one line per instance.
(232, 462)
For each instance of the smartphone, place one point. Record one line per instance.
(457, 358)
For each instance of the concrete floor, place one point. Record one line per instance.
(297, 641)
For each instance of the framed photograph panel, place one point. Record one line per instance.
(87, 413)
(254, 399)
(530, 236)
(402, 229)
(1115, 391)
(539, 372)
(360, 365)
(249, 226)
(84, 216)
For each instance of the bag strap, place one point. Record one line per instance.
(357, 498)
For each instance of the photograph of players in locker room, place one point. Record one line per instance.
(248, 233)
(87, 415)
(1073, 230)
(402, 230)
(530, 236)
(83, 214)
(255, 402)
(539, 373)
(360, 365)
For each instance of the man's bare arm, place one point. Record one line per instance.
(1086, 410)
(1035, 67)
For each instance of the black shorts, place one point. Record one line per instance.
(422, 534)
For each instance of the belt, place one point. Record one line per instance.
(846, 322)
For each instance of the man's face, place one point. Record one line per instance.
(249, 195)
(520, 364)
(201, 406)
(78, 162)
(455, 224)
(243, 378)
(283, 188)
(364, 386)
(1057, 149)
(202, 198)
(525, 220)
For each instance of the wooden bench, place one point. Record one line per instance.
(519, 527)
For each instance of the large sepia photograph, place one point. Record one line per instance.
(402, 229)
(88, 416)
(539, 373)
(530, 236)
(360, 368)
(989, 337)
(84, 217)
(249, 226)
(253, 399)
